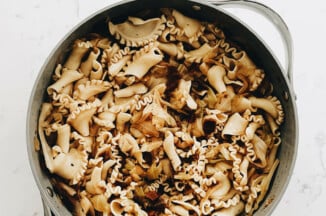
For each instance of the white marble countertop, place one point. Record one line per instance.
(30, 30)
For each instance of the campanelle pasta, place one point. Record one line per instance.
(164, 117)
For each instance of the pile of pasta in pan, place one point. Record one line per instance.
(162, 117)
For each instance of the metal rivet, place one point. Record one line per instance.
(286, 95)
(49, 191)
(196, 7)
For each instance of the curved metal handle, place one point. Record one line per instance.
(275, 19)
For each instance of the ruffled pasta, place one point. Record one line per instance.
(143, 60)
(163, 118)
(79, 49)
(138, 32)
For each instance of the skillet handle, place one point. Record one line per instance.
(275, 19)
